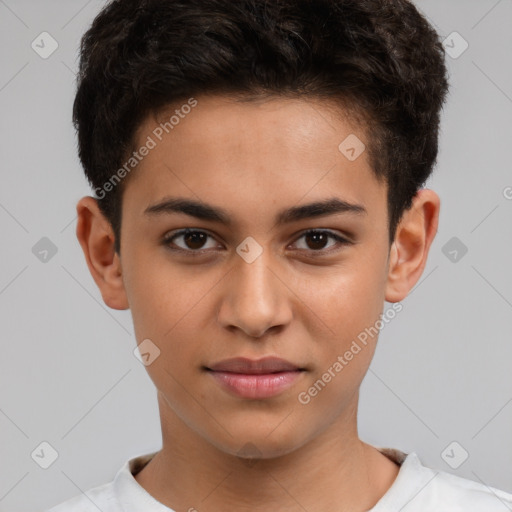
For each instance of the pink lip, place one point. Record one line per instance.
(254, 366)
(260, 378)
(256, 385)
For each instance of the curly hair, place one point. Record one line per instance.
(379, 59)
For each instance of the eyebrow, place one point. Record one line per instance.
(204, 211)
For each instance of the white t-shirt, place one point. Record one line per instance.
(415, 489)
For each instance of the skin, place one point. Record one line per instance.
(302, 302)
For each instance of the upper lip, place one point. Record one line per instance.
(251, 366)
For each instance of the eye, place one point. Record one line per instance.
(317, 239)
(193, 240)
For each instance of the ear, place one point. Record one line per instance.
(96, 236)
(409, 251)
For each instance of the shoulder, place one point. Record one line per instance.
(108, 497)
(419, 488)
(464, 494)
(101, 497)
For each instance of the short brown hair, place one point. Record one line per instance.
(382, 57)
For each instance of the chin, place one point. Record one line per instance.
(257, 444)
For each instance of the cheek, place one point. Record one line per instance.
(350, 300)
(171, 306)
(349, 303)
(163, 296)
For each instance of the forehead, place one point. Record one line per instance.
(241, 154)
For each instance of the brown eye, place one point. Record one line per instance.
(317, 240)
(192, 240)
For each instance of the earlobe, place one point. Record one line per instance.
(96, 238)
(409, 251)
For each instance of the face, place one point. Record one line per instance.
(261, 272)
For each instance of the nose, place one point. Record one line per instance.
(255, 297)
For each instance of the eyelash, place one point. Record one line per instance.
(167, 240)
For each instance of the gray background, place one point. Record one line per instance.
(442, 370)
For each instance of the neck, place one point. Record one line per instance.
(334, 471)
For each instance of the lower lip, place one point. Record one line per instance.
(256, 386)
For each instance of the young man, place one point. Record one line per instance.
(258, 169)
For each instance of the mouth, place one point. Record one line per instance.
(256, 379)
(254, 366)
